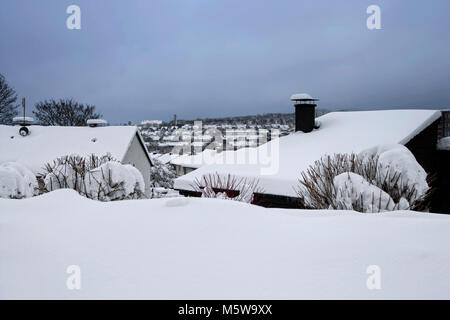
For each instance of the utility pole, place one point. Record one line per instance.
(23, 105)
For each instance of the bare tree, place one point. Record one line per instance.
(64, 112)
(8, 98)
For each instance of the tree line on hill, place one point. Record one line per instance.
(60, 112)
(258, 119)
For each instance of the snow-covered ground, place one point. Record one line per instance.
(186, 248)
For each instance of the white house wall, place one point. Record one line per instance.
(136, 156)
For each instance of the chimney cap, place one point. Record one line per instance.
(96, 122)
(302, 97)
(23, 121)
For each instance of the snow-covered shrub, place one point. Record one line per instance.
(115, 181)
(444, 144)
(98, 178)
(16, 181)
(227, 187)
(161, 175)
(70, 172)
(353, 192)
(382, 178)
(398, 172)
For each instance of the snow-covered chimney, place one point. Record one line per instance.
(24, 123)
(304, 111)
(96, 123)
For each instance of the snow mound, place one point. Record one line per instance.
(69, 196)
(353, 192)
(216, 249)
(16, 181)
(177, 202)
(397, 159)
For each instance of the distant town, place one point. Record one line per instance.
(163, 137)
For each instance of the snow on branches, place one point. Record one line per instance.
(161, 175)
(98, 178)
(16, 181)
(227, 187)
(383, 178)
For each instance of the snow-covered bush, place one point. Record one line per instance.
(161, 175)
(98, 178)
(353, 192)
(382, 178)
(398, 172)
(227, 187)
(115, 181)
(444, 144)
(16, 181)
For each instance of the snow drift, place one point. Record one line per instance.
(194, 248)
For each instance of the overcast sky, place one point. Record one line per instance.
(150, 59)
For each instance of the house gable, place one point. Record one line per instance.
(137, 156)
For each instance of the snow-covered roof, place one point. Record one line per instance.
(164, 158)
(151, 122)
(340, 132)
(194, 161)
(45, 144)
